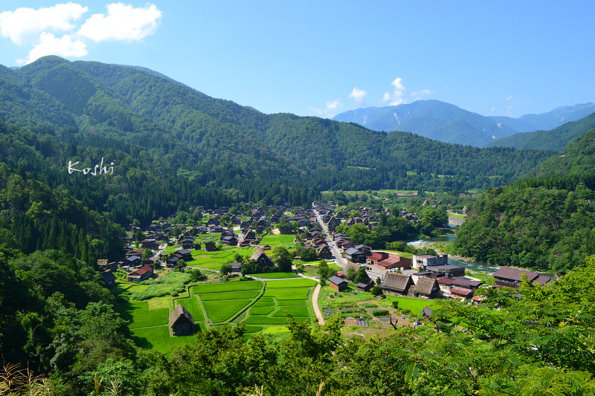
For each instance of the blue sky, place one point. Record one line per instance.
(324, 57)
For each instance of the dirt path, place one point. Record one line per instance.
(315, 305)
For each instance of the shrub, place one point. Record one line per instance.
(376, 291)
(380, 312)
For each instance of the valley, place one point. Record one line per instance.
(197, 246)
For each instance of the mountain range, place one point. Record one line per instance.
(448, 123)
(175, 148)
(554, 140)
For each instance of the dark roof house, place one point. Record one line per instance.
(396, 283)
(181, 321)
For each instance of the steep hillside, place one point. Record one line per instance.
(175, 147)
(554, 140)
(546, 222)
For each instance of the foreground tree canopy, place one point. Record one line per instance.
(67, 329)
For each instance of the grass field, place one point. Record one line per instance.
(219, 311)
(411, 304)
(294, 311)
(231, 295)
(226, 287)
(276, 275)
(312, 269)
(288, 294)
(193, 306)
(139, 314)
(214, 260)
(277, 240)
(158, 338)
(282, 284)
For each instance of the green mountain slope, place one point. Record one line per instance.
(546, 222)
(554, 140)
(174, 147)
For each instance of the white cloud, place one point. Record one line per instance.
(509, 97)
(49, 44)
(358, 94)
(331, 109)
(397, 97)
(122, 22)
(333, 105)
(24, 25)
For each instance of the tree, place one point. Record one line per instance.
(146, 254)
(226, 269)
(282, 258)
(196, 275)
(376, 291)
(323, 269)
(361, 276)
(350, 273)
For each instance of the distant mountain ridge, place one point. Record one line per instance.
(549, 120)
(448, 123)
(555, 140)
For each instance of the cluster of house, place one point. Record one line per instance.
(431, 277)
(367, 216)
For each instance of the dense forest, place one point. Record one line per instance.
(173, 147)
(546, 222)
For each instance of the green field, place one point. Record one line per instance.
(277, 240)
(276, 275)
(411, 304)
(282, 284)
(312, 269)
(231, 295)
(193, 306)
(293, 311)
(139, 314)
(288, 294)
(216, 303)
(219, 311)
(265, 310)
(214, 260)
(158, 338)
(225, 287)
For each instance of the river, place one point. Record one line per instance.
(469, 264)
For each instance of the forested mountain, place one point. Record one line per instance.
(546, 222)
(430, 118)
(549, 120)
(554, 140)
(174, 147)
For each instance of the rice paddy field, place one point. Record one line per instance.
(262, 305)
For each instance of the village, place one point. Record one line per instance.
(238, 255)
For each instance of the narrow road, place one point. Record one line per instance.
(315, 305)
(341, 262)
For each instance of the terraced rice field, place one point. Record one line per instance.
(262, 305)
(265, 303)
